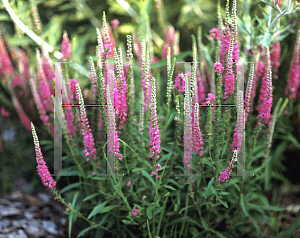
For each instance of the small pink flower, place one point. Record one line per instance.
(114, 24)
(214, 33)
(180, 82)
(135, 212)
(210, 97)
(4, 113)
(153, 172)
(143, 197)
(94, 174)
(218, 67)
(158, 176)
(128, 183)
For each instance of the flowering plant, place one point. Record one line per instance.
(157, 187)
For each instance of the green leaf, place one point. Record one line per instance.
(271, 208)
(171, 118)
(169, 187)
(97, 209)
(224, 203)
(126, 222)
(148, 177)
(205, 226)
(185, 208)
(176, 207)
(90, 196)
(86, 230)
(67, 188)
(149, 212)
(267, 177)
(72, 213)
(208, 187)
(244, 205)
(108, 208)
(293, 140)
(217, 233)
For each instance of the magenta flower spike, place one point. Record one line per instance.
(120, 103)
(188, 137)
(267, 100)
(169, 39)
(44, 88)
(179, 82)
(68, 111)
(24, 64)
(218, 67)
(264, 82)
(201, 90)
(154, 131)
(235, 52)
(23, 117)
(66, 47)
(248, 92)
(48, 68)
(215, 33)
(275, 57)
(108, 39)
(42, 168)
(88, 140)
(114, 24)
(6, 66)
(229, 77)
(38, 102)
(113, 138)
(293, 84)
(225, 175)
(145, 75)
(258, 73)
(93, 77)
(197, 134)
(226, 35)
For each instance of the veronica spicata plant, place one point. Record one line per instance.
(149, 199)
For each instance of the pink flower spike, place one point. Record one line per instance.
(114, 24)
(215, 34)
(128, 183)
(42, 168)
(218, 67)
(88, 139)
(225, 175)
(210, 97)
(66, 47)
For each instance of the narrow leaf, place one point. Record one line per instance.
(208, 187)
(97, 209)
